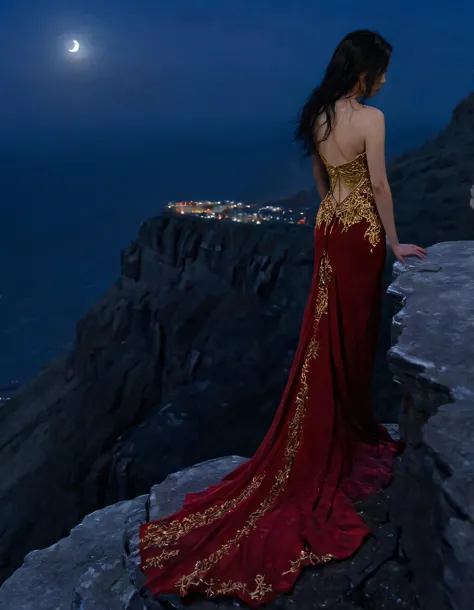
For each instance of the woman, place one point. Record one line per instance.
(292, 504)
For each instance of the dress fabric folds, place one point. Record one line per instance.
(292, 504)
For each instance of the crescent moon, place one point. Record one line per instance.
(75, 48)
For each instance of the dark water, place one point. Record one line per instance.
(70, 203)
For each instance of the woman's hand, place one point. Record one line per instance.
(402, 250)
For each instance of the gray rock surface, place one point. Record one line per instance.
(161, 347)
(84, 571)
(96, 566)
(433, 361)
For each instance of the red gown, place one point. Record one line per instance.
(292, 504)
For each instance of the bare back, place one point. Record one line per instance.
(347, 139)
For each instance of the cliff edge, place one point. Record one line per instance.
(433, 361)
(191, 345)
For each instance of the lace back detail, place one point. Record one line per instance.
(349, 174)
(357, 206)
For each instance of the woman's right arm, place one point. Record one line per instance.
(375, 151)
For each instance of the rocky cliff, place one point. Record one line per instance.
(183, 359)
(433, 361)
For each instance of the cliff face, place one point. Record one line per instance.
(184, 359)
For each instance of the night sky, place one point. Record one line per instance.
(175, 99)
(217, 62)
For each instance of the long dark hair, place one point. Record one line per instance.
(361, 52)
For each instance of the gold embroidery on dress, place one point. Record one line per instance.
(215, 587)
(308, 558)
(203, 566)
(357, 206)
(157, 560)
(163, 534)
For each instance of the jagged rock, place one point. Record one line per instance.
(432, 359)
(92, 423)
(142, 346)
(55, 432)
(85, 571)
(94, 567)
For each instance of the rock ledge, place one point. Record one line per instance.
(433, 360)
(96, 566)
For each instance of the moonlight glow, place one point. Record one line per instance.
(75, 47)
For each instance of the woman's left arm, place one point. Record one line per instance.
(321, 177)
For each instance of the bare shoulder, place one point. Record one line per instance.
(371, 119)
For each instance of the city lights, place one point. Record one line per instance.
(238, 211)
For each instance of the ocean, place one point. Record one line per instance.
(72, 202)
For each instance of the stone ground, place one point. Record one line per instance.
(96, 566)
